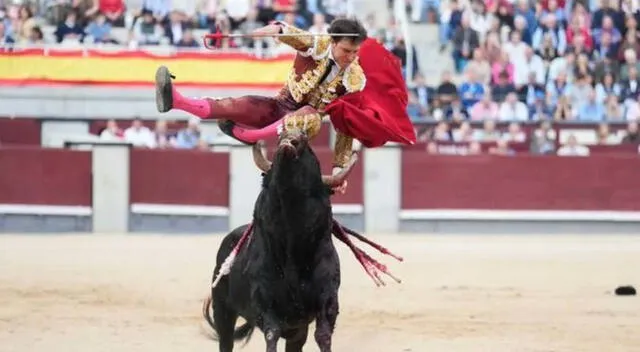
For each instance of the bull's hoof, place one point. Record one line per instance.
(164, 89)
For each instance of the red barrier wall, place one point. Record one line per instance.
(520, 183)
(30, 175)
(19, 131)
(183, 177)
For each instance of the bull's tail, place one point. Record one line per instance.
(242, 332)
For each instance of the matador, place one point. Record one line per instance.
(352, 79)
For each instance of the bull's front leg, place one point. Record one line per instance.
(326, 322)
(272, 332)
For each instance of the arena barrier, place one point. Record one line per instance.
(113, 188)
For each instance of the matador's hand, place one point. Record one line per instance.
(342, 189)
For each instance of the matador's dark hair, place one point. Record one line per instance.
(349, 26)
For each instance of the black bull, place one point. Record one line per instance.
(288, 274)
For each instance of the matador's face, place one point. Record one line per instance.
(344, 52)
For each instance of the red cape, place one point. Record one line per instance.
(377, 114)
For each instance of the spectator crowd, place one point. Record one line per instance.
(520, 61)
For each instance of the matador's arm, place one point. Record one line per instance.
(342, 151)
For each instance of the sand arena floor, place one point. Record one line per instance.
(460, 293)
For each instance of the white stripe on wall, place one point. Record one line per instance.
(518, 215)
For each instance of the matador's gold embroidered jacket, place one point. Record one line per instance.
(305, 87)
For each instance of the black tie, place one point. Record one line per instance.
(328, 70)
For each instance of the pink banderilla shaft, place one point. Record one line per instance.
(380, 248)
(370, 265)
(225, 268)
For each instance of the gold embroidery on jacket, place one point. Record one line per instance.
(354, 78)
(321, 47)
(307, 82)
(309, 123)
(300, 43)
(342, 149)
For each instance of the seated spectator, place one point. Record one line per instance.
(139, 135)
(502, 148)
(630, 87)
(99, 30)
(188, 40)
(530, 64)
(630, 42)
(543, 139)
(447, 90)
(562, 65)
(607, 87)
(441, 133)
(549, 26)
(175, 27)
(485, 109)
(112, 132)
(578, 93)
(456, 111)
(189, 136)
(632, 134)
(547, 52)
(573, 148)
(557, 88)
(529, 92)
(609, 30)
(591, 110)
(489, 132)
(319, 24)
(146, 30)
(465, 41)
(583, 67)
(237, 11)
(480, 66)
(414, 109)
(633, 110)
(514, 133)
(113, 10)
(564, 111)
(464, 133)
(502, 67)
(249, 25)
(70, 31)
(24, 24)
(605, 48)
(36, 36)
(512, 109)
(613, 110)
(540, 110)
(630, 62)
(515, 48)
(604, 135)
(502, 88)
(162, 137)
(424, 93)
(472, 90)
(5, 38)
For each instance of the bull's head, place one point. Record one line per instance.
(293, 144)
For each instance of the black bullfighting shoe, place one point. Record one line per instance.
(164, 89)
(227, 127)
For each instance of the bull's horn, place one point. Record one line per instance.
(337, 179)
(261, 161)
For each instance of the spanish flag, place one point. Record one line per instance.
(137, 68)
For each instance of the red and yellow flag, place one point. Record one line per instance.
(35, 66)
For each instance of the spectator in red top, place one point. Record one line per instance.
(112, 9)
(578, 27)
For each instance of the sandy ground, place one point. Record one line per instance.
(460, 293)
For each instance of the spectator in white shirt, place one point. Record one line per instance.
(573, 148)
(531, 63)
(319, 24)
(513, 110)
(139, 135)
